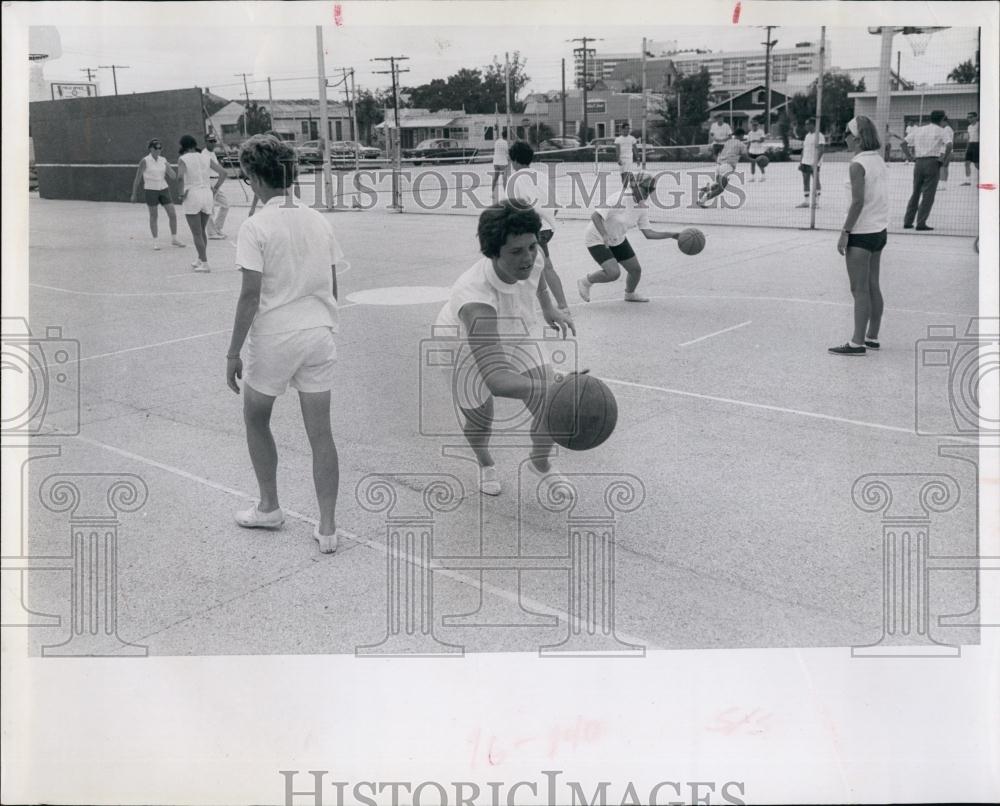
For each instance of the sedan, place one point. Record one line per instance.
(310, 152)
(439, 149)
(348, 149)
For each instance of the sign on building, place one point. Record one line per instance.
(598, 107)
(64, 89)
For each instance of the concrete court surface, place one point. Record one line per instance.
(745, 434)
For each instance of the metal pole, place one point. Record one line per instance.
(563, 97)
(270, 103)
(819, 123)
(324, 120)
(645, 106)
(585, 127)
(882, 97)
(767, 80)
(506, 72)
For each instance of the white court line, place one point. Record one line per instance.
(779, 409)
(175, 341)
(131, 294)
(512, 597)
(717, 333)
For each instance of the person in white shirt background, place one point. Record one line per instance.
(718, 133)
(625, 143)
(972, 149)
(926, 144)
(153, 172)
(812, 153)
(501, 160)
(863, 236)
(949, 141)
(755, 148)
(221, 203)
(196, 194)
(531, 187)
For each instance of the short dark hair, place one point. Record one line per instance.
(502, 220)
(738, 134)
(937, 116)
(626, 125)
(973, 115)
(521, 152)
(270, 159)
(810, 120)
(188, 143)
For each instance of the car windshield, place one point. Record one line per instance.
(430, 143)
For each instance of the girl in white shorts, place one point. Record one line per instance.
(284, 326)
(197, 196)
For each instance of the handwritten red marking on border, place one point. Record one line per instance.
(987, 186)
(736, 12)
(338, 16)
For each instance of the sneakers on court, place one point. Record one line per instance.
(253, 518)
(489, 481)
(804, 204)
(924, 228)
(328, 544)
(156, 246)
(217, 236)
(872, 345)
(635, 296)
(201, 267)
(549, 478)
(753, 179)
(583, 288)
(847, 349)
(175, 242)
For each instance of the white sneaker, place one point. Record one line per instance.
(635, 296)
(753, 179)
(253, 518)
(489, 482)
(175, 242)
(202, 268)
(156, 246)
(762, 179)
(328, 544)
(583, 287)
(804, 204)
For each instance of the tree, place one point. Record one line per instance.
(965, 73)
(370, 109)
(686, 112)
(495, 85)
(838, 109)
(258, 120)
(539, 132)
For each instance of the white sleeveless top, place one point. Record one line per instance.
(875, 214)
(195, 170)
(154, 173)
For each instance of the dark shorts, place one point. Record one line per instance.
(543, 240)
(155, 197)
(602, 253)
(717, 149)
(806, 168)
(972, 154)
(872, 241)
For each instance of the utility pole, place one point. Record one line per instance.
(90, 71)
(270, 103)
(584, 40)
(114, 68)
(246, 104)
(506, 78)
(324, 120)
(563, 97)
(645, 106)
(397, 152)
(819, 125)
(898, 86)
(768, 45)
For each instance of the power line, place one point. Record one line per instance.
(584, 40)
(114, 68)
(90, 71)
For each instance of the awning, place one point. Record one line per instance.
(428, 122)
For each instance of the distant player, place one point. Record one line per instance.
(506, 286)
(153, 172)
(755, 148)
(813, 145)
(605, 238)
(625, 143)
(220, 203)
(972, 149)
(530, 187)
(196, 195)
(733, 150)
(718, 133)
(501, 160)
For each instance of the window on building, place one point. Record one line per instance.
(487, 132)
(305, 128)
(230, 128)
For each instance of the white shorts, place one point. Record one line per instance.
(197, 200)
(303, 358)
(221, 200)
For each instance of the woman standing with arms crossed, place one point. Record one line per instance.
(153, 172)
(864, 235)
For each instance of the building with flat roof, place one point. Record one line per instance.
(913, 107)
(747, 67)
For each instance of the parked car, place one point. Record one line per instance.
(556, 143)
(773, 146)
(439, 149)
(228, 156)
(309, 152)
(347, 149)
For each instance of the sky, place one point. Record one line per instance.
(159, 58)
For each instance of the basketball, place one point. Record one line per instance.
(763, 161)
(691, 241)
(582, 413)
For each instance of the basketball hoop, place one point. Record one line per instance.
(919, 41)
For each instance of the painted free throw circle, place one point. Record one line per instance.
(400, 295)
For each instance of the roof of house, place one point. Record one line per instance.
(938, 89)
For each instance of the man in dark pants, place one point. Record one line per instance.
(928, 147)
